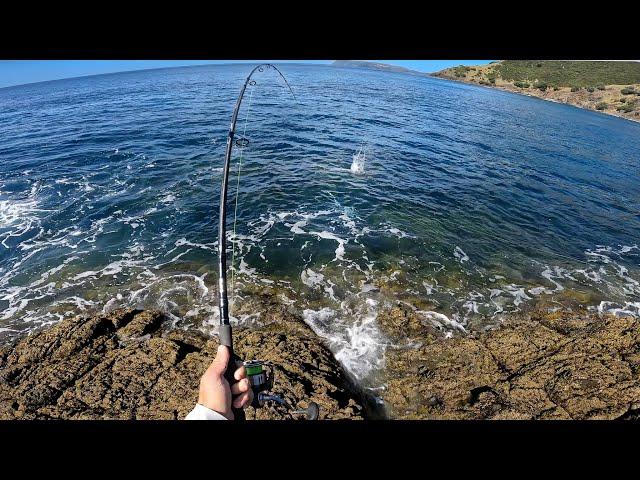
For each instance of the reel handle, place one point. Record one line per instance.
(224, 333)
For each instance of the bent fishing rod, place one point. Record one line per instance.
(258, 376)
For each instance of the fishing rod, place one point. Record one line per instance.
(261, 379)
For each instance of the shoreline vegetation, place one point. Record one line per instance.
(129, 364)
(607, 87)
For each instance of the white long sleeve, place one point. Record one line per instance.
(200, 412)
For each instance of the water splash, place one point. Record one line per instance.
(357, 166)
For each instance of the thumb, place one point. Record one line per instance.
(219, 365)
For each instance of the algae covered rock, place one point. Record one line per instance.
(125, 365)
(566, 366)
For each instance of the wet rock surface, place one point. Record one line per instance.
(125, 365)
(128, 364)
(544, 366)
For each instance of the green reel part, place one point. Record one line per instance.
(261, 379)
(258, 376)
(253, 367)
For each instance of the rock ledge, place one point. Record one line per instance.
(546, 366)
(124, 365)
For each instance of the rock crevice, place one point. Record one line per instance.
(565, 366)
(124, 365)
(127, 365)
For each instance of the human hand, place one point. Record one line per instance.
(215, 392)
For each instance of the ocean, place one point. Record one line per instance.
(373, 188)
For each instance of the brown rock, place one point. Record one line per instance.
(401, 323)
(571, 366)
(123, 365)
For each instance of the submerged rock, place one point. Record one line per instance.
(125, 365)
(564, 366)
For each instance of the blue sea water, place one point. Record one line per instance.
(472, 203)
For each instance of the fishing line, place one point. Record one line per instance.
(243, 144)
(225, 334)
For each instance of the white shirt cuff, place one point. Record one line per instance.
(200, 412)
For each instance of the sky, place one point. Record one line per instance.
(18, 72)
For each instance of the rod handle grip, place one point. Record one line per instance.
(226, 339)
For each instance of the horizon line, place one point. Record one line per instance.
(151, 69)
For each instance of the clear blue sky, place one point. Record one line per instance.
(17, 72)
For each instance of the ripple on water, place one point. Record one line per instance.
(475, 205)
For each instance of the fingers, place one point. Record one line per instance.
(240, 387)
(240, 373)
(219, 365)
(243, 400)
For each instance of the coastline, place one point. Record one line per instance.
(567, 365)
(130, 364)
(531, 94)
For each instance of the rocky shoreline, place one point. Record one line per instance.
(128, 365)
(564, 95)
(562, 365)
(610, 99)
(125, 365)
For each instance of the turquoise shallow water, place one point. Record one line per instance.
(471, 204)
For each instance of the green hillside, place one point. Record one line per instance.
(570, 73)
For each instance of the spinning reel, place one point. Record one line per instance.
(261, 376)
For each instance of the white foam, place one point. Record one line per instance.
(430, 287)
(86, 274)
(460, 255)
(45, 276)
(596, 256)
(538, 290)
(245, 269)
(349, 223)
(184, 242)
(112, 303)
(116, 267)
(80, 303)
(591, 275)
(441, 321)
(399, 233)
(16, 211)
(471, 306)
(440, 266)
(297, 227)
(330, 236)
(133, 221)
(11, 311)
(355, 341)
(518, 293)
(550, 274)
(621, 309)
(311, 279)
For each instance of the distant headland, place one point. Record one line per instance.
(611, 87)
(383, 67)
